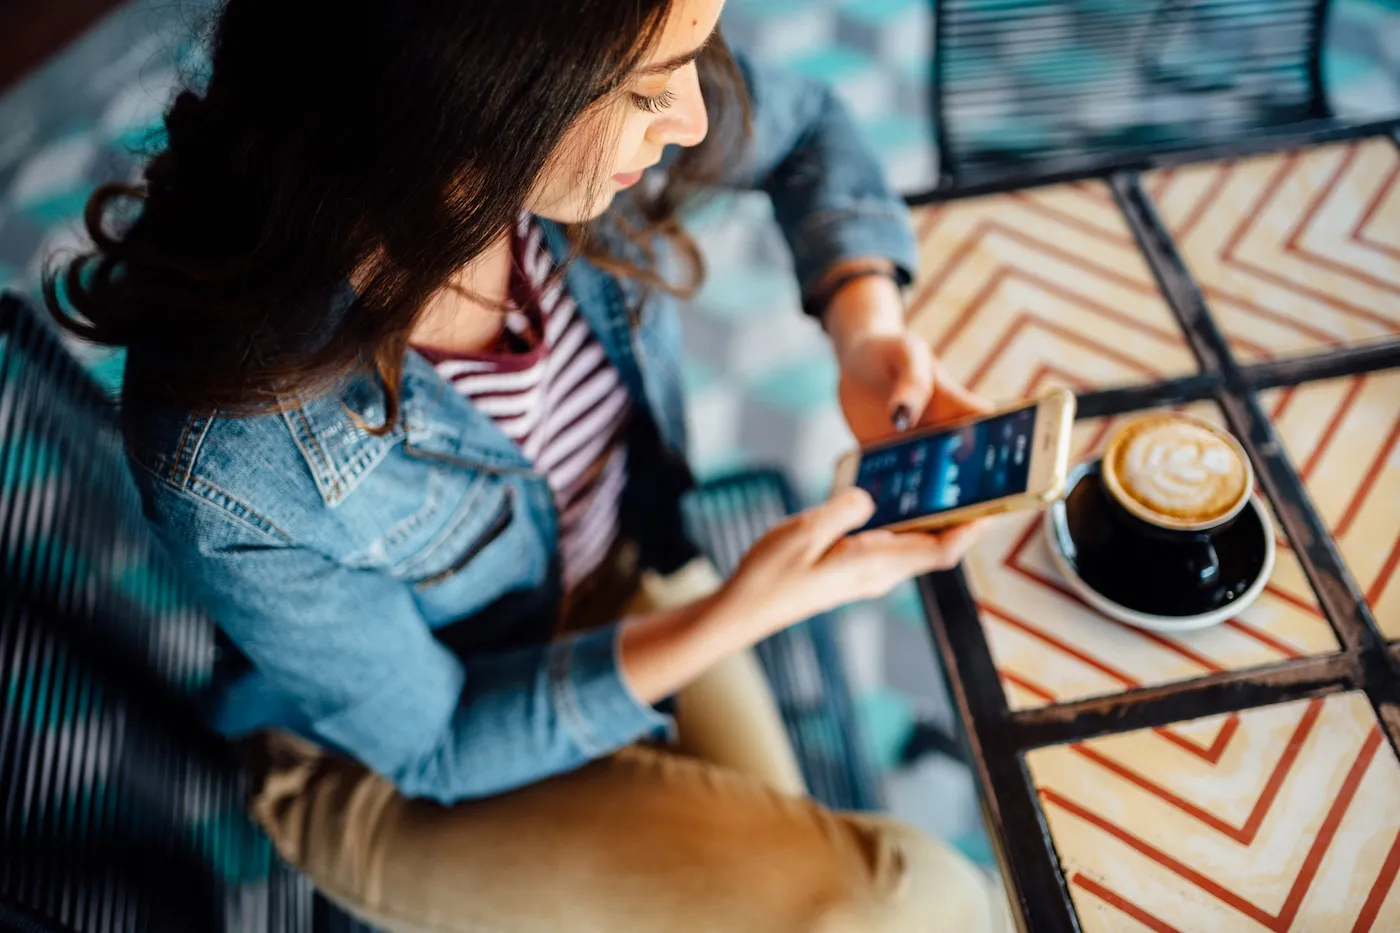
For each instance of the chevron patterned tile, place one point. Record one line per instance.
(1294, 252)
(1343, 435)
(1042, 286)
(1050, 647)
(1290, 825)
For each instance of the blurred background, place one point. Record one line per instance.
(83, 85)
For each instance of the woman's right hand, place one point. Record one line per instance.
(811, 563)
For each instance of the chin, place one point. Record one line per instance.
(576, 213)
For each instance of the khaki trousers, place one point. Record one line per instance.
(715, 834)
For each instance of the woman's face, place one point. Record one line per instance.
(659, 105)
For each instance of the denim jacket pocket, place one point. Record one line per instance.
(500, 516)
(460, 517)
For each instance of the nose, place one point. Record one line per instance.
(685, 122)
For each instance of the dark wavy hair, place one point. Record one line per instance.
(394, 139)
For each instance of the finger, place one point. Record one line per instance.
(954, 540)
(868, 565)
(825, 524)
(912, 382)
(955, 399)
(880, 556)
(959, 539)
(857, 569)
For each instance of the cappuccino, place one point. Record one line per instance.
(1177, 472)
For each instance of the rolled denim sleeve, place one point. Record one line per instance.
(829, 191)
(362, 667)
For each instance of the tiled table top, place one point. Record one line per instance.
(1049, 646)
(1296, 251)
(1289, 821)
(1042, 286)
(1285, 813)
(1344, 437)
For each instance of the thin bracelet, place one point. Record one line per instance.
(816, 304)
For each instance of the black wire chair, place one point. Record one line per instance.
(119, 810)
(803, 663)
(1045, 89)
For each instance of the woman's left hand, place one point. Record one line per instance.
(890, 379)
(891, 382)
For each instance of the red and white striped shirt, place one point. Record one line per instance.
(555, 393)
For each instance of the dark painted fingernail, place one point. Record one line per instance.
(901, 418)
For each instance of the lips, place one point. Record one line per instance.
(627, 179)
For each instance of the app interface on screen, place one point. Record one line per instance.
(937, 472)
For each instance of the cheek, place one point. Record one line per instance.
(630, 141)
(588, 154)
(581, 171)
(569, 173)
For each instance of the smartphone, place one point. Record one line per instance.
(1015, 458)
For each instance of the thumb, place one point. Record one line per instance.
(958, 395)
(825, 524)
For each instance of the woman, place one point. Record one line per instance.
(401, 397)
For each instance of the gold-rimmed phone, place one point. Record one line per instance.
(1013, 458)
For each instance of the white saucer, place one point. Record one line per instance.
(1167, 624)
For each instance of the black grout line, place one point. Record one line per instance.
(1174, 279)
(1021, 177)
(1024, 848)
(1341, 599)
(1329, 364)
(1159, 705)
(1120, 400)
(1338, 593)
(997, 737)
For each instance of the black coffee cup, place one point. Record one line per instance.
(1132, 572)
(1190, 541)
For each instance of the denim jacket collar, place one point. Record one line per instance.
(435, 421)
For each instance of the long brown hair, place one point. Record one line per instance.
(396, 136)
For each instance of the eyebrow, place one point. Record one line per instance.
(680, 61)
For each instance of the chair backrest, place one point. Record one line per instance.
(804, 662)
(1040, 87)
(120, 812)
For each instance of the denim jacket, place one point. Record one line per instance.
(392, 597)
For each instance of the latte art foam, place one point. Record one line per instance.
(1180, 471)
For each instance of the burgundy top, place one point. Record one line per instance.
(553, 391)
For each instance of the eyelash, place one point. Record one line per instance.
(654, 104)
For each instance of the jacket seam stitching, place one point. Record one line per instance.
(488, 535)
(180, 448)
(192, 488)
(197, 443)
(317, 466)
(408, 525)
(330, 467)
(566, 701)
(470, 500)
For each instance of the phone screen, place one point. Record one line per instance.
(933, 473)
